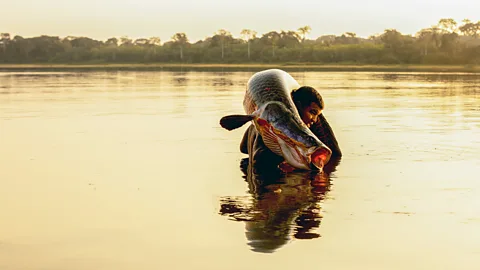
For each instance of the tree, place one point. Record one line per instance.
(327, 39)
(288, 39)
(376, 38)
(347, 38)
(23, 47)
(4, 40)
(126, 41)
(141, 42)
(470, 29)
(248, 35)
(351, 34)
(84, 42)
(449, 43)
(430, 38)
(223, 34)
(394, 43)
(444, 43)
(425, 38)
(154, 42)
(46, 48)
(180, 39)
(272, 39)
(112, 42)
(5, 36)
(304, 31)
(448, 25)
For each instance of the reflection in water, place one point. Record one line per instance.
(180, 78)
(390, 77)
(408, 177)
(222, 79)
(281, 205)
(180, 82)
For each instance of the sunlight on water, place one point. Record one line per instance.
(131, 170)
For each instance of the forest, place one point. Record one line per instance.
(445, 43)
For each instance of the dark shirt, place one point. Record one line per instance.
(253, 145)
(325, 134)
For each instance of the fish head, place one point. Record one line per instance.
(285, 134)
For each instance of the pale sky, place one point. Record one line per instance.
(101, 19)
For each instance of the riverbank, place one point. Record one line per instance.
(294, 66)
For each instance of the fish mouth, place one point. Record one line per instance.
(320, 157)
(294, 152)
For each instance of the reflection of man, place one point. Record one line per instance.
(309, 104)
(282, 206)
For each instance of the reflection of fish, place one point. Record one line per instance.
(269, 105)
(281, 207)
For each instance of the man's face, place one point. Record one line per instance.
(310, 114)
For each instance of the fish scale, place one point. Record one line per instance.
(270, 85)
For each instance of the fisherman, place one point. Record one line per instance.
(310, 105)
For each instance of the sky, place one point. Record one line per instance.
(102, 19)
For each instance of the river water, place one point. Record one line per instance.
(131, 170)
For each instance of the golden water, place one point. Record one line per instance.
(130, 170)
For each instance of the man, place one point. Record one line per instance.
(309, 104)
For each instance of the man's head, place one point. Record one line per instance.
(309, 104)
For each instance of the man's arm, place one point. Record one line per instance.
(325, 134)
(244, 142)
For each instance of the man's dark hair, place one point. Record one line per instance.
(305, 95)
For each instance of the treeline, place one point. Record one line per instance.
(444, 43)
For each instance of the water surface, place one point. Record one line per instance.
(130, 170)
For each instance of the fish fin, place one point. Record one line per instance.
(271, 142)
(231, 122)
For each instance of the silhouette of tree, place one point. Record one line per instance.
(470, 29)
(448, 25)
(288, 39)
(444, 43)
(154, 42)
(126, 41)
(223, 35)
(248, 35)
(180, 39)
(351, 34)
(271, 38)
(112, 42)
(304, 31)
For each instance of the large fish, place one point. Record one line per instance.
(269, 106)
